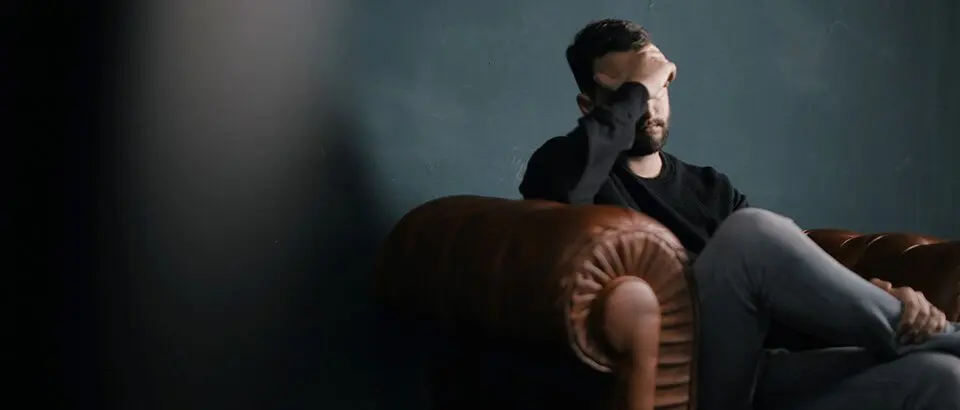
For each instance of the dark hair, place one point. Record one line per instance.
(596, 40)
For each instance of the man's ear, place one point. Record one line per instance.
(585, 103)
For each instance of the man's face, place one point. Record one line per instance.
(652, 130)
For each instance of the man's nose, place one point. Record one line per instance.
(652, 110)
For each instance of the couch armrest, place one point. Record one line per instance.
(924, 263)
(538, 271)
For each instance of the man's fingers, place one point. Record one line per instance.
(920, 319)
(882, 284)
(649, 53)
(650, 48)
(926, 320)
(942, 321)
(911, 309)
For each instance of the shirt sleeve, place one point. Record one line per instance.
(571, 169)
(737, 200)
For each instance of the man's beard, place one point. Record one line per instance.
(645, 143)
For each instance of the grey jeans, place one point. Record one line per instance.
(760, 266)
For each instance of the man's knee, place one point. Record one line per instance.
(754, 216)
(750, 222)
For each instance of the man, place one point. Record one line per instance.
(751, 266)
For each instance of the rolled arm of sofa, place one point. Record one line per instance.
(924, 263)
(547, 272)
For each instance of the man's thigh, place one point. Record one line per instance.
(850, 378)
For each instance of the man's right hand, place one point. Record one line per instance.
(920, 319)
(647, 66)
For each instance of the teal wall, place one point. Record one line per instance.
(834, 113)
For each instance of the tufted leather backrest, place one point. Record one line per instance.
(925, 263)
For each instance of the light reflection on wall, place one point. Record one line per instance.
(222, 137)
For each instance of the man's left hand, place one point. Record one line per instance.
(920, 319)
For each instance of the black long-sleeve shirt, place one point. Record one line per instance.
(587, 166)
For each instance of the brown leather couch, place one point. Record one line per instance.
(517, 286)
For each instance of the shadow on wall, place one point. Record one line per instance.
(331, 363)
